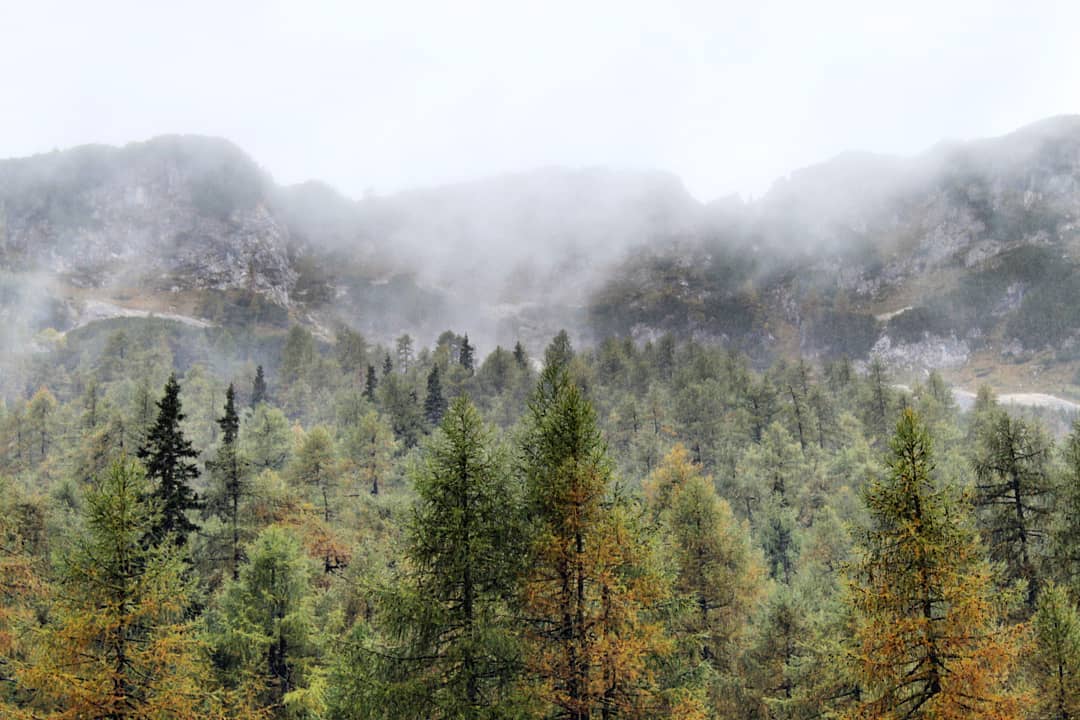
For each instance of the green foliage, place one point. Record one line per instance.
(453, 651)
(168, 455)
(929, 641)
(264, 629)
(1055, 662)
(1015, 495)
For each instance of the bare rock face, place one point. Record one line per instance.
(171, 213)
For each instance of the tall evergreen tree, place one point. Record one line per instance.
(258, 387)
(370, 383)
(458, 656)
(168, 457)
(229, 478)
(559, 352)
(930, 642)
(520, 357)
(1014, 494)
(387, 366)
(434, 403)
(465, 354)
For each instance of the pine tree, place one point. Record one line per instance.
(370, 383)
(229, 478)
(387, 366)
(168, 457)
(465, 354)
(930, 642)
(118, 645)
(458, 656)
(434, 402)
(258, 388)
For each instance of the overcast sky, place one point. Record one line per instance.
(394, 94)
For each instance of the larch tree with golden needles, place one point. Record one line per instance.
(591, 581)
(717, 575)
(119, 645)
(929, 641)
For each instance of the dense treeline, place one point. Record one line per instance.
(359, 531)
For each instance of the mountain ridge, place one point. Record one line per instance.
(810, 267)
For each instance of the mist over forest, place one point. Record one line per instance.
(560, 363)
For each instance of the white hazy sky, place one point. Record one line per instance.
(394, 94)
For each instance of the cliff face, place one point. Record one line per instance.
(172, 213)
(925, 261)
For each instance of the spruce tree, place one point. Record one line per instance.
(258, 387)
(520, 357)
(228, 472)
(387, 366)
(434, 403)
(930, 642)
(465, 354)
(370, 383)
(168, 457)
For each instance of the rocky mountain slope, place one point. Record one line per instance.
(962, 257)
(965, 254)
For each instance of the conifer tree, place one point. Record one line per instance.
(1014, 494)
(387, 366)
(1055, 657)
(118, 645)
(258, 388)
(559, 352)
(229, 478)
(369, 450)
(370, 383)
(168, 457)
(264, 628)
(520, 357)
(465, 354)
(591, 581)
(404, 352)
(929, 637)
(315, 465)
(458, 656)
(716, 572)
(434, 402)
(1065, 548)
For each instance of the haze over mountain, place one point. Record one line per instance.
(945, 259)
